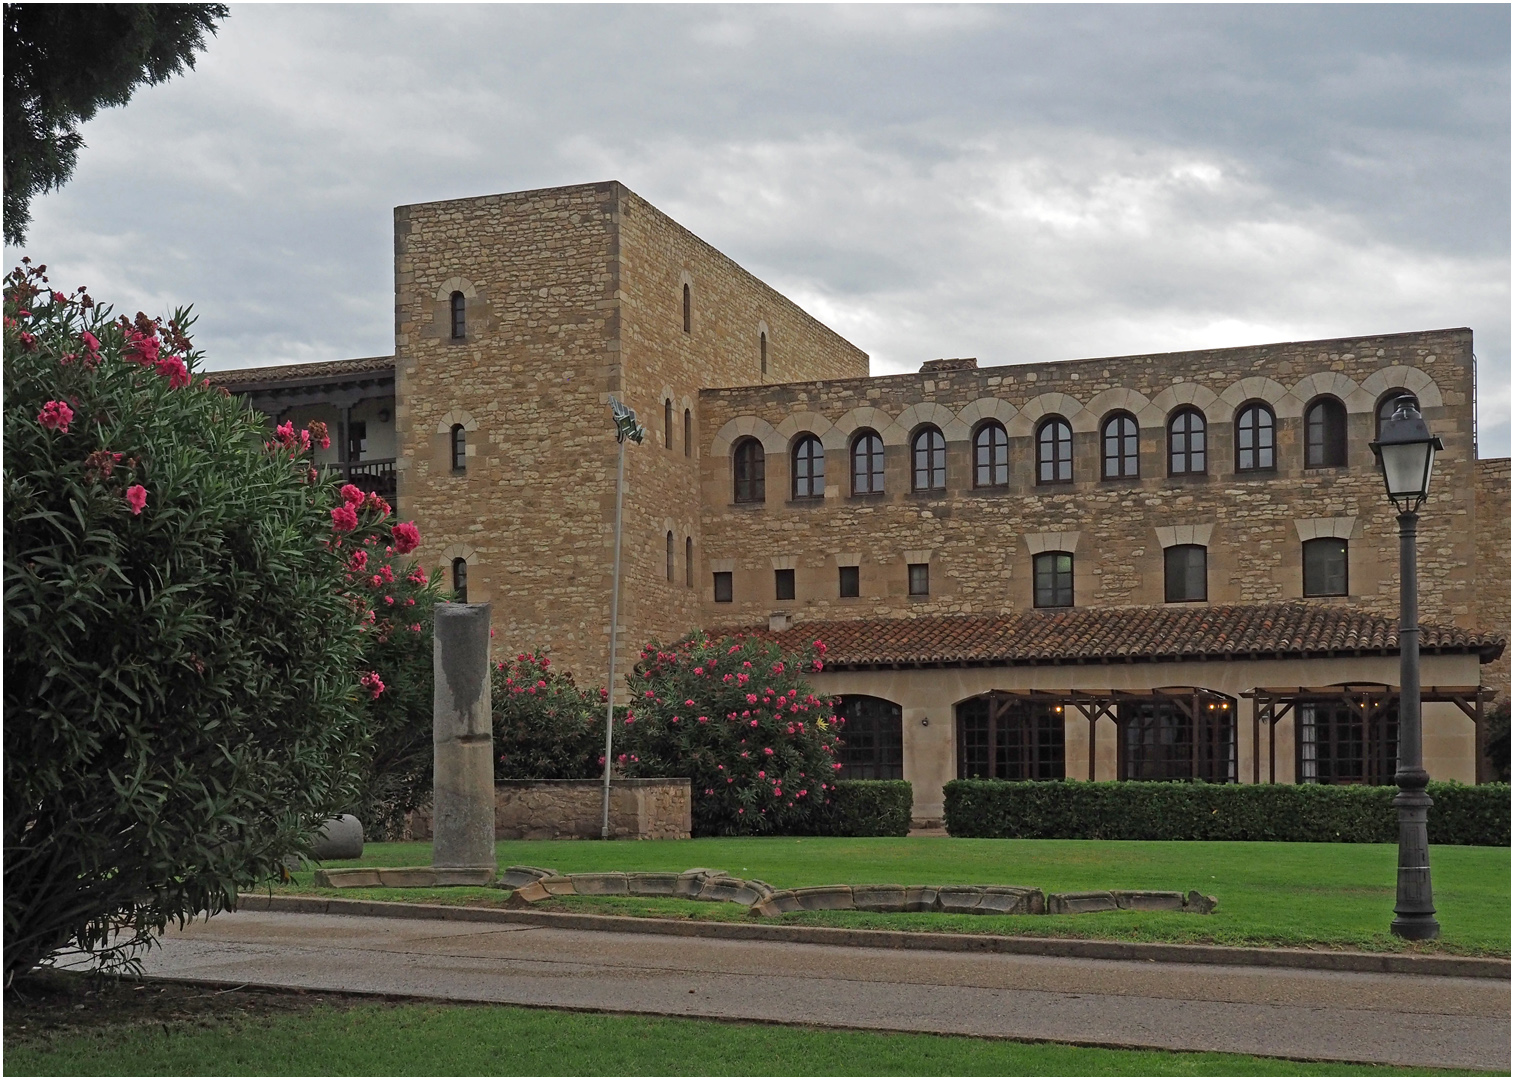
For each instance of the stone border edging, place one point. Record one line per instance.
(1474, 967)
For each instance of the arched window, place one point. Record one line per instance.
(1388, 404)
(762, 345)
(459, 449)
(1053, 579)
(1325, 434)
(670, 557)
(867, 464)
(1054, 451)
(750, 466)
(688, 433)
(688, 561)
(1185, 443)
(1186, 570)
(991, 456)
(928, 450)
(460, 581)
(1325, 567)
(1120, 437)
(688, 311)
(1011, 737)
(667, 424)
(809, 468)
(459, 316)
(872, 744)
(1255, 438)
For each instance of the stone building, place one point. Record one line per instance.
(1162, 565)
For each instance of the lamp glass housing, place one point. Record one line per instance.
(1406, 469)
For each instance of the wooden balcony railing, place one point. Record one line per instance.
(374, 475)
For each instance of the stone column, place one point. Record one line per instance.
(463, 740)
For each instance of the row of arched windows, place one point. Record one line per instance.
(1119, 444)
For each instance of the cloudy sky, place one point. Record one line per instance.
(1012, 183)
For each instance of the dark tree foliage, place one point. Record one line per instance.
(545, 726)
(63, 62)
(1497, 746)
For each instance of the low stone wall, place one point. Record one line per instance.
(649, 809)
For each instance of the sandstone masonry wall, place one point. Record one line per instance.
(652, 809)
(1492, 578)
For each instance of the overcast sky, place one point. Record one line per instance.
(1012, 183)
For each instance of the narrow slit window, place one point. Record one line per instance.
(688, 433)
(670, 557)
(667, 425)
(688, 561)
(459, 449)
(688, 311)
(762, 346)
(459, 316)
(460, 581)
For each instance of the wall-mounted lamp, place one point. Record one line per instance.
(925, 721)
(383, 416)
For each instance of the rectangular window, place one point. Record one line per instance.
(357, 440)
(723, 592)
(1187, 738)
(1347, 741)
(1325, 567)
(783, 584)
(919, 579)
(851, 581)
(1053, 574)
(1003, 738)
(1187, 573)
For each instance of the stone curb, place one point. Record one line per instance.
(1379, 963)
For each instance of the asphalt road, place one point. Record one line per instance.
(1399, 1019)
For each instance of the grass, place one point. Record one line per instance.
(72, 1026)
(1337, 896)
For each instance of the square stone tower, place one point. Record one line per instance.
(516, 317)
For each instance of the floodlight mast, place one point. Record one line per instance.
(626, 429)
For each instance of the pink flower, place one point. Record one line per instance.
(376, 581)
(91, 343)
(699, 671)
(173, 369)
(343, 518)
(406, 539)
(416, 576)
(28, 341)
(352, 495)
(136, 498)
(56, 416)
(359, 559)
(140, 348)
(389, 600)
(415, 628)
(376, 502)
(768, 750)
(373, 683)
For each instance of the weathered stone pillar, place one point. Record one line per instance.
(463, 738)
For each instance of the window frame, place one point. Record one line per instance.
(667, 423)
(1122, 456)
(1260, 409)
(688, 562)
(1018, 740)
(1332, 438)
(878, 735)
(1167, 576)
(807, 467)
(762, 347)
(1319, 543)
(1212, 744)
(458, 313)
(727, 579)
(671, 568)
(783, 582)
(874, 462)
(931, 452)
(998, 445)
(751, 453)
(460, 580)
(1058, 460)
(458, 449)
(1373, 748)
(688, 433)
(1189, 413)
(920, 571)
(842, 582)
(1055, 592)
(688, 309)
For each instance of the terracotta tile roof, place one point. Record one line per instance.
(1124, 635)
(325, 369)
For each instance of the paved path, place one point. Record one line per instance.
(1401, 1019)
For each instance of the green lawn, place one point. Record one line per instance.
(377, 1039)
(1330, 895)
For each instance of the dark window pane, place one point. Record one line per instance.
(1054, 452)
(750, 468)
(1121, 448)
(667, 424)
(688, 433)
(1348, 741)
(688, 562)
(1187, 573)
(930, 460)
(990, 456)
(688, 310)
(1325, 434)
(851, 581)
(1389, 404)
(919, 579)
(783, 584)
(872, 739)
(1185, 442)
(1053, 579)
(459, 315)
(1325, 567)
(809, 468)
(459, 448)
(1255, 445)
(762, 346)
(867, 464)
(1005, 737)
(670, 556)
(460, 580)
(723, 590)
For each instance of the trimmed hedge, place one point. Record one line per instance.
(1134, 810)
(872, 808)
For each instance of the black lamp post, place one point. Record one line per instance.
(1405, 452)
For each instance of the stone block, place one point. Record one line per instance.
(727, 889)
(779, 903)
(651, 884)
(516, 876)
(826, 898)
(1009, 900)
(527, 895)
(1079, 902)
(464, 875)
(690, 882)
(599, 884)
(1145, 900)
(921, 898)
(762, 887)
(559, 885)
(958, 899)
(355, 878)
(339, 838)
(1199, 904)
(407, 877)
(879, 897)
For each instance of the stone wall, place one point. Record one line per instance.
(650, 809)
(1493, 562)
(978, 542)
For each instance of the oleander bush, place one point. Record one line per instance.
(545, 726)
(871, 808)
(186, 668)
(1143, 810)
(736, 716)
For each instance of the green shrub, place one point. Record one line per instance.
(545, 727)
(871, 808)
(182, 659)
(1133, 810)
(736, 717)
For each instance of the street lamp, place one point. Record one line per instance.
(1405, 452)
(626, 429)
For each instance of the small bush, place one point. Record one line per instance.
(1135, 810)
(736, 717)
(545, 727)
(871, 808)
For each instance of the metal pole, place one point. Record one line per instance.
(1415, 906)
(620, 487)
